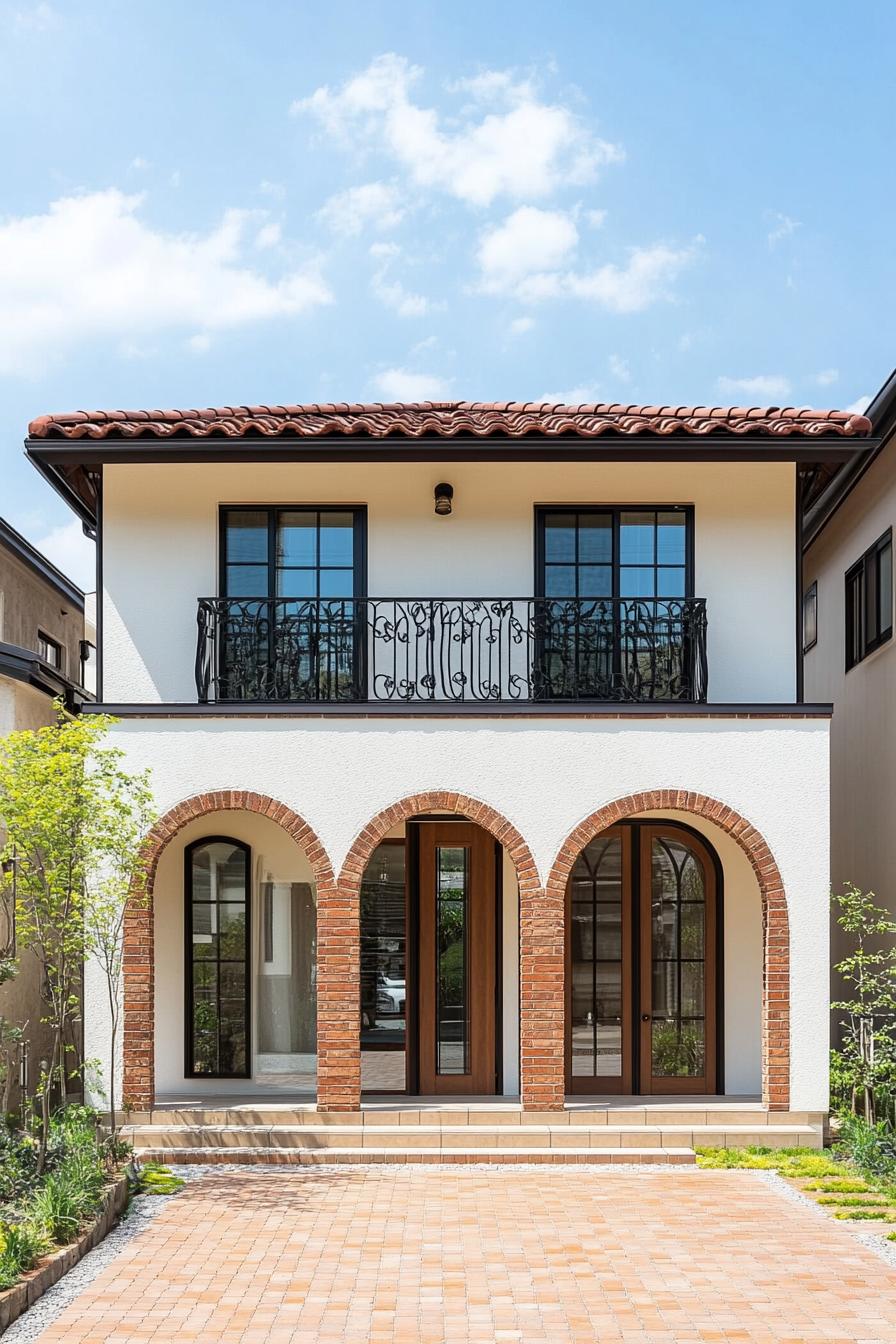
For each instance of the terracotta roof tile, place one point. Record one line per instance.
(449, 419)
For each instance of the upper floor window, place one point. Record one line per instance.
(49, 650)
(292, 552)
(810, 617)
(869, 600)
(615, 553)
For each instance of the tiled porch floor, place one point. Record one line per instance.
(409, 1256)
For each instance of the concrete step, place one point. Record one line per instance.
(462, 1156)
(365, 1137)
(684, 1116)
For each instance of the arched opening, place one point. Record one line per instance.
(439, 881)
(220, 962)
(751, 975)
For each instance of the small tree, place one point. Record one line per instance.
(74, 821)
(865, 1064)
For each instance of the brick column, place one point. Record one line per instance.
(542, 998)
(338, 998)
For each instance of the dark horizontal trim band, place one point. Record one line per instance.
(442, 710)
(642, 447)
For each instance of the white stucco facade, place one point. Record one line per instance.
(544, 777)
(544, 774)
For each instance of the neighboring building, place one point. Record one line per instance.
(478, 744)
(43, 654)
(849, 654)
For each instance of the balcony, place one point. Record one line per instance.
(459, 651)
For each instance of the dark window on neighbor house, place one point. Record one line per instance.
(292, 553)
(869, 600)
(810, 617)
(613, 552)
(217, 876)
(49, 650)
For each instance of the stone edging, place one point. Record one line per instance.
(16, 1300)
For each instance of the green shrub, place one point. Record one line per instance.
(870, 1147)
(23, 1245)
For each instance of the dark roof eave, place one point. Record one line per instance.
(25, 666)
(61, 460)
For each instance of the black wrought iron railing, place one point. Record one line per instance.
(461, 650)
(452, 649)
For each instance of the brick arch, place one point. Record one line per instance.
(138, 961)
(775, 923)
(541, 955)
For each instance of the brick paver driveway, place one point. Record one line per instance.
(420, 1255)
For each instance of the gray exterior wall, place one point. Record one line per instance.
(863, 730)
(29, 603)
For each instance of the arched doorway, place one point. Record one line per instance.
(643, 982)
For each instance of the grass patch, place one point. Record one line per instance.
(880, 1215)
(795, 1163)
(841, 1186)
(871, 1200)
(156, 1179)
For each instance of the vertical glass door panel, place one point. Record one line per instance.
(599, 956)
(217, 952)
(286, 1035)
(452, 956)
(678, 964)
(384, 970)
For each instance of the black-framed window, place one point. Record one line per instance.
(810, 617)
(632, 552)
(218, 909)
(869, 600)
(295, 552)
(50, 650)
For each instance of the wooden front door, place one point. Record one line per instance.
(456, 964)
(641, 983)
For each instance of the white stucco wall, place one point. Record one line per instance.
(546, 776)
(160, 550)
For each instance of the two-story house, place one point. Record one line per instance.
(482, 765)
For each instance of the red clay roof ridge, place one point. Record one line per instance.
(448, 419)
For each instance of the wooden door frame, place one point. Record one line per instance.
(485, 1042)
(633, 1067)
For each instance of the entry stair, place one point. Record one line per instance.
(272, 1133)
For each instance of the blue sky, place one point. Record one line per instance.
(215, 202)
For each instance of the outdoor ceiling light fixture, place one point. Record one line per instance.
(444, 494)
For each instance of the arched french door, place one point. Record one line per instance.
(643, 964)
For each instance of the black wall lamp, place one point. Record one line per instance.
(444, 494)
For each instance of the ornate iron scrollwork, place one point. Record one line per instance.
(460, 650)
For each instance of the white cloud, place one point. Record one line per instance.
(523, 151)
(859, 406)
(39, 18)
(268, 236)
(492, 86)
(200, 343)
(374, 205)
(596, 218)
(532, 254)
(769, 386)
(91, 269)
(529, 243)
(404, 385)
(392, 292)
(782, 226)
(520, 325)
(139, 163)
(619, 368)
(583, 395)
(70, 551)
(826, 377)
(276, 190)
